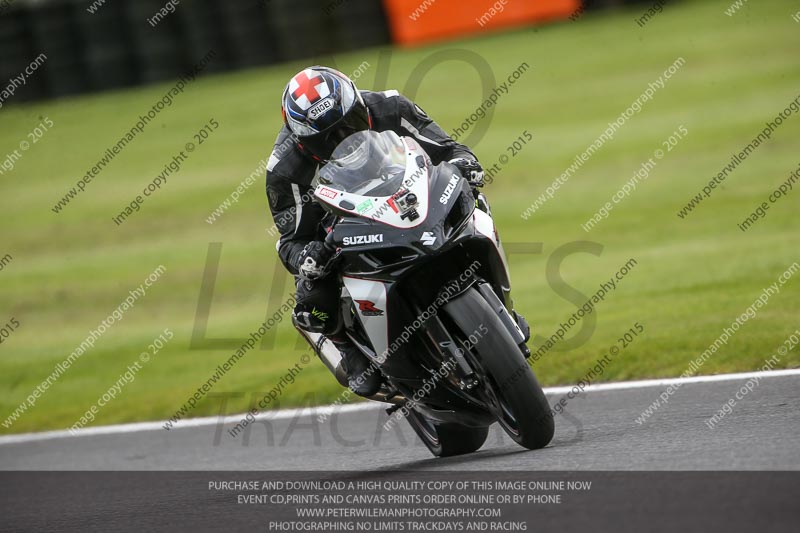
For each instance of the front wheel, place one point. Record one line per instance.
(509, 385)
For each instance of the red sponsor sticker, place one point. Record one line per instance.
(328, 193)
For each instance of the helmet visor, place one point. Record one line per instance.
(322, 144)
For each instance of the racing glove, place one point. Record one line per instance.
(313, 260)
(471, 170)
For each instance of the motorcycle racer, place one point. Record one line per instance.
(320, 108)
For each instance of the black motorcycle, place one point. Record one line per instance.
(426, 296)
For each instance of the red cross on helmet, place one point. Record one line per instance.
(322, 107)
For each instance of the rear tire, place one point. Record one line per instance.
(446, 439)
(509, 383)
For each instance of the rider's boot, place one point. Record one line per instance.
(363, 377)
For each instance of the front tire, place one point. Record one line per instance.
(509, 384)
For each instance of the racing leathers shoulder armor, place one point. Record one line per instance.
(291, 171)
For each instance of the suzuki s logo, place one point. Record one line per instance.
(448, 191)
(362, 239)
(428, 238)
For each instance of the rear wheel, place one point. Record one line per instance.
(446, 439)
(509, 385)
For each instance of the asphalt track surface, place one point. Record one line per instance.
(597, 431)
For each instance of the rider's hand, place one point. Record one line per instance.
(471, 170)
(313, 259)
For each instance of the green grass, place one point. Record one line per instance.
(693, 277)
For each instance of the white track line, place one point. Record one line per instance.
(365, 406)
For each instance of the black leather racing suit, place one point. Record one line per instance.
(297, 215)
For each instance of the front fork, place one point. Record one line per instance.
(512, 324)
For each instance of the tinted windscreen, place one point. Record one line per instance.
(368, 163)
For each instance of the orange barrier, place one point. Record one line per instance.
(419, 21)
